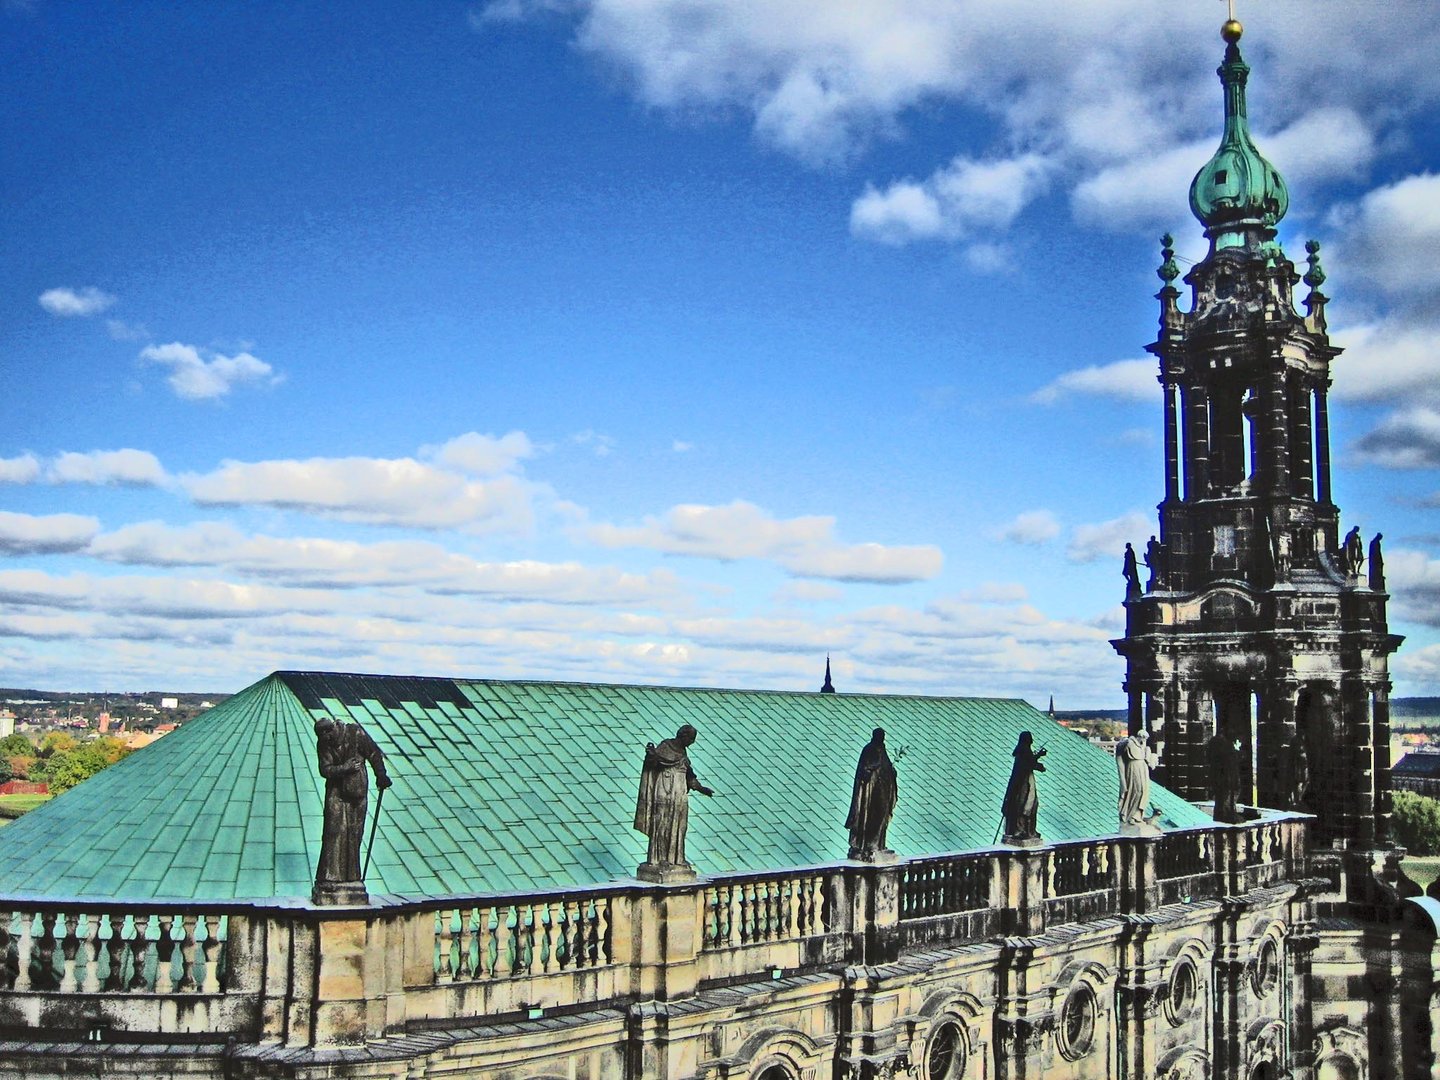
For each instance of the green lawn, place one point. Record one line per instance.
(12, 806)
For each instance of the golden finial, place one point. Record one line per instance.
(1232, 29)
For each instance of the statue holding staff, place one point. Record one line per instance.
(342, 753)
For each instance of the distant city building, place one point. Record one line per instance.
(169, 703)
(1418, 771)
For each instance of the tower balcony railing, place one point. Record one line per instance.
(297, 975)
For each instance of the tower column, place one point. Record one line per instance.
(1197, 441)
(1172, 446)
(1322, 446)
(1276, 454)
(1302, 438)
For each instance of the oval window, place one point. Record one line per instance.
(945, 1059)
(1077, 1022)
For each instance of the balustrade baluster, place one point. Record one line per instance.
(525, 918)
(553, 912)
(115, 953)
(733, 915)
(187, 953)
(505, 947)
(444, 934)
(90, 984)
(574, 956)
(139, 944)
(43, 977)
(601, 932)
(463, 969)
(7, 979)
(211, 952)
(485, 963)
(24, 947)
(69, 947)
(165, 955)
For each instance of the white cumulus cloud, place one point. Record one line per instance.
(383, 491)
(194, 377)
(1107, 539)
(1391, 235)
(132, 468)
(1031, 527)
(49, 534)
(24, 469)
(962, 198)
(803, 546)
(1125, 380)
(69, 303)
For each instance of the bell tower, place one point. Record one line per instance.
(1259, 624)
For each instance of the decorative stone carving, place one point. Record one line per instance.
(1184, 1063)
(872, 801)
(1019, 1035)
(1022, 801)
(342, 752)
(662, 808)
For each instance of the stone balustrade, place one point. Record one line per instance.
(304, 976)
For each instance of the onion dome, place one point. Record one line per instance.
(1238, 192)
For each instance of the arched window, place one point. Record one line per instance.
(1267, 969)
(1264, 1070)
(1184, 991)
(776, 1072)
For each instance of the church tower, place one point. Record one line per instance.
(1259, 624)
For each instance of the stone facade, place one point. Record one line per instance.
(1196, 954)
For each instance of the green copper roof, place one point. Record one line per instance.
(508, 786)
(1237, 191)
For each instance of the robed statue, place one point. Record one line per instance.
(1377, 564)
(1134, 759)
(1022, 799)
(662, 810)
(1130, 568)
(1155, 563)
(872, 800)
(343, 751)
(1224, 754)
(1352, 552)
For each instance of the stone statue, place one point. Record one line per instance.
(1377, 564)
(1225, 777)
(662, 810)
(1022, 800)
(342, 751)
(1298, 770)
(1131, 570)
(1280, 551)
(1154, 562)
(1133, 760)
(872, 801)
(1351, 554)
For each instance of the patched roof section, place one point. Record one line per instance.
(516, 786)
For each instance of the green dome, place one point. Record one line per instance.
(1237, 191)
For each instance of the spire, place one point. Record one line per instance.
(829, 687)
(1052, 706)
(1238, 196)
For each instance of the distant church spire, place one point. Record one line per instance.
(1052, 706)
(829, 687)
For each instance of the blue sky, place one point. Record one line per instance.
(658, 340)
